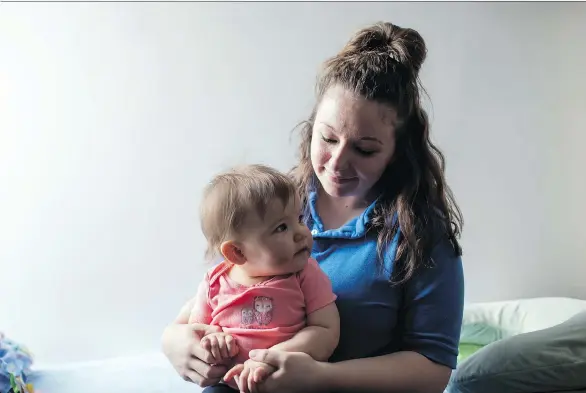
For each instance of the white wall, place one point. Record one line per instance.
(113, 116)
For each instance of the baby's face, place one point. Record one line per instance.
(277, 244)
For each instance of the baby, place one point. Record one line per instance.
(267, 288)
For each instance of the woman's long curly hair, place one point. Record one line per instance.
(381, 63)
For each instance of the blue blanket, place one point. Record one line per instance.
(15, 365)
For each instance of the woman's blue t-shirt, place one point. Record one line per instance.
(423, 315)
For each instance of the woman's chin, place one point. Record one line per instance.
(339, 190)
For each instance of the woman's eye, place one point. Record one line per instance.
(281, 228)
(301, 218)
(327, 140)
(365, 153)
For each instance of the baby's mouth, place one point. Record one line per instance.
(303, 250)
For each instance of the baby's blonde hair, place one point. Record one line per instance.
(231, 196)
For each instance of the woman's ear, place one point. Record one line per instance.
(232, 252)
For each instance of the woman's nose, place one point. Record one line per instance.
(339, 158)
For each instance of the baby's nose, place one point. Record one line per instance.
(299, 236)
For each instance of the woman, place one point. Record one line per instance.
(385, 229)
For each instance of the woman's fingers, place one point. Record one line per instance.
(201, 352)
(209, 382)
(198, 379)
(192, 376)
(271, 357)
(204, 370)
(201, 330)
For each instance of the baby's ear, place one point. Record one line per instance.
(233, 252)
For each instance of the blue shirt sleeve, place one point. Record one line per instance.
(434, 303)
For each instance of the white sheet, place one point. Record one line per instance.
(148, 373)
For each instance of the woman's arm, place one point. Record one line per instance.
(431, 317)
(183, 316)
(320, 338)
(181, 342)
(181, 345)
(398, 372)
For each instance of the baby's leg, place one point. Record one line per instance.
(219, 388)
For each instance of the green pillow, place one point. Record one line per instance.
(474, 336)
(480, 334)
(466, 350)
(548, 360)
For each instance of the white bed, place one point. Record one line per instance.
(149, 373)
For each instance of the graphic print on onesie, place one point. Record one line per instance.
(258, 314)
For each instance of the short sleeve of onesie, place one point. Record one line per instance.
(316, 287)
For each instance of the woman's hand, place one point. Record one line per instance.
(296, 372)
(248, 375)
(181, 345)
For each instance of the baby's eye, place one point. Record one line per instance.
(281, 228)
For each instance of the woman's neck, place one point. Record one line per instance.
(335, 212)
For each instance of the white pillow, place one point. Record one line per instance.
(524, 315)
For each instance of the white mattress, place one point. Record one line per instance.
(149, 373)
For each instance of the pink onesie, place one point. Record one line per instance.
(264, 314)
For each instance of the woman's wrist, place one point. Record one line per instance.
(324, 377)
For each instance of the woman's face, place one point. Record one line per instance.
(353, 141)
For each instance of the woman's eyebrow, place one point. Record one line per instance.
(371, 138)
(364, 138)
(327, 125)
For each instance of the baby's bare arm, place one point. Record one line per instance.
(320, 338)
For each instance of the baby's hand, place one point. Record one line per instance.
(222, 346)
(249, 374)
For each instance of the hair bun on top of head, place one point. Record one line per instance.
(403, 45)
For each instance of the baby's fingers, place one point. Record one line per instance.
(231, 346)
(251, 381)
(223, 347)
(260, 374)
(205, 343)
(244, 381)
(215, 348)
(234, 372)
(210, 344)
